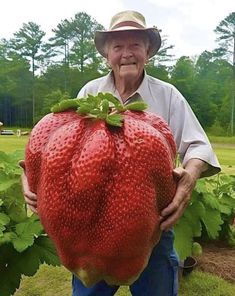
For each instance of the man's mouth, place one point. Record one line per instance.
(128, 64)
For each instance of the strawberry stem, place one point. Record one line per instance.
(102, 106)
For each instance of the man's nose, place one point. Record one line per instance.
(127, 52)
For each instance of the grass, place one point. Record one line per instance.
(226, 157)
(224, 149)
(222, 140)
(12, 143)
(50, 281)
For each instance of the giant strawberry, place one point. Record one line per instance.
(102, 180)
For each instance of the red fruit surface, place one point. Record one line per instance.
(101, 189)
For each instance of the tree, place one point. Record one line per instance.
(182, 76)
(15, 87)
(61, 40)
(226, 39)
(163, 56)
(83, 51)
(157, 65)
(28, 43)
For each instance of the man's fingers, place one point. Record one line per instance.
(21, 163)
(172, 219)
(175, 204)
(33, 209)
(31, 204)
(30, 198)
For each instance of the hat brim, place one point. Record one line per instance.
(152, 33)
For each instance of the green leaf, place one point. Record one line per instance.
(212, 221)
(10, 274)
(46, 251)
(94, 101)
(105, 106)
(194, 213)
(7, 181)
(211, 201)
(9, 281)
(7, 237)
(4, 219)
(225, 209)
(183, 238)
(228, 200)
(84, 108)
(9, 162)
(111, 99)
(22, 242)
(65, 105)
(114, 119)
(136, 106)
(17, 211)
(2, 228)
(56, 108)
(28, 262)
(201, 186)
(26, 232)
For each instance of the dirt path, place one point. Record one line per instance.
(219, 260)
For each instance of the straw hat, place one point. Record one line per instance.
(127, 21)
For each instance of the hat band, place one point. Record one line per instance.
(127, 24)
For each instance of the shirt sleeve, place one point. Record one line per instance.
(82, 93)
(191, 140)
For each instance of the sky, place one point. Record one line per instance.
(188, 24)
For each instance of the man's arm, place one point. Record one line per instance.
(186, 178)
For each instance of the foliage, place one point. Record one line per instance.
(209, 215)
(69, 59)
(160, 72)
(226, 38)
(28, 42)
(226, 35)
(206, 83)
(23, 243)
(183, 72)
(15, 84)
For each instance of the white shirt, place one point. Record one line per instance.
(165, 100)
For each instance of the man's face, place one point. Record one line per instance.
(127, 53)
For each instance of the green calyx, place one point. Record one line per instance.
(102, 106)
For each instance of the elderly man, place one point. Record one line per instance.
(127, 46)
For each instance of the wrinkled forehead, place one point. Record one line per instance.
(133, 35)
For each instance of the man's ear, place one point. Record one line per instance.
(107, 62)
(147, 57)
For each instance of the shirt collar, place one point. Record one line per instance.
(140, 93)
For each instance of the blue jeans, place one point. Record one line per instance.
(159, 278)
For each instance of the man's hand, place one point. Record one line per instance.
(30, 197)
(186, 178)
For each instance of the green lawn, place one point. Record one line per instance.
(51, 281)
(12, 143)
(224, 149)
(222, 140)
(226, 157)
